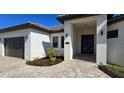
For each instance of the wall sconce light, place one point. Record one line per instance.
(66, 34)
(0, 39)
(101, 32)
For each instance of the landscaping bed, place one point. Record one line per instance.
(112, 70)
(45, 61)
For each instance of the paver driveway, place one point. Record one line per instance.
(16, 68)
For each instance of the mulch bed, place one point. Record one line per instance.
(109, 71)
(45, 62)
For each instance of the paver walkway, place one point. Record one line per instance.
(16, 68)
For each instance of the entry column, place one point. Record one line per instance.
(101, 44)
(1, 46)
(68, 42)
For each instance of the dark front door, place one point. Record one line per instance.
(14, 47)
(87, 44)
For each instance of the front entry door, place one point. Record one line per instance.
(87, 44)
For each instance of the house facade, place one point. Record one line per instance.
(80, 34)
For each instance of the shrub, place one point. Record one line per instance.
(36, 59)
(52, 55)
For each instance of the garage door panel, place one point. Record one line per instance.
(18, 53)
(14, 47)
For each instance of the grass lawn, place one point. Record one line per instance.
(113, 70)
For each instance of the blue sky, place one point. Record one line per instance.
(7, 20)
(116, 15)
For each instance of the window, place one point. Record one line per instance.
(55, 42)
(62, 41)
(112, 34)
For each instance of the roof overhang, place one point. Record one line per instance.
(33, 26)
(24, 26)
(57, 29)
(116, 20)
(66, 17)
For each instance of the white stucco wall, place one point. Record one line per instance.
(17, 33)
(115, 47)
(36, 42)
(60, 50)
(40, 42)
(68, 43)
(1, 46)
(77, 38)
(101, 44)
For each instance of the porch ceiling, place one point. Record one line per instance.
(83, 25)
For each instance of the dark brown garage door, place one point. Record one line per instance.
(14, 47)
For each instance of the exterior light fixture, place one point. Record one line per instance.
(101, 32)
(66, 34)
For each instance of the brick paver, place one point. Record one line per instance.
(16, 68)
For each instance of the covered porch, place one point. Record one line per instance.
(86, 39)
(85, 58)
